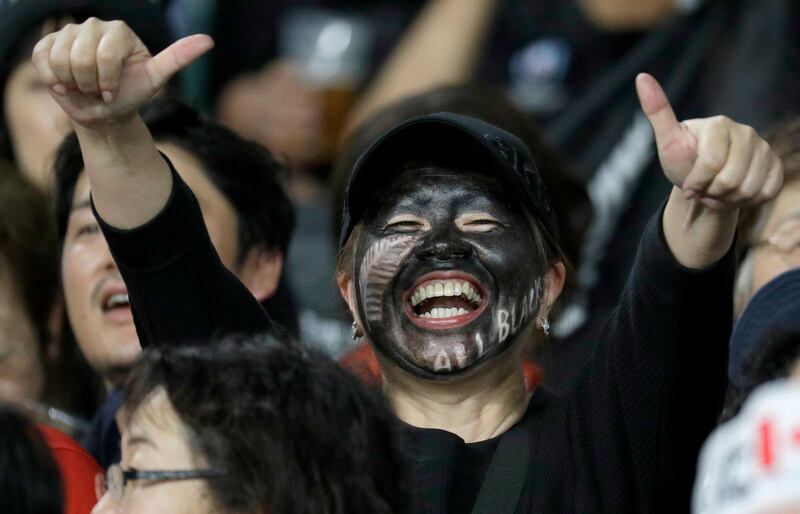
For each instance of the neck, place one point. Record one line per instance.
(475, 408)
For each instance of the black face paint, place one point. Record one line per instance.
(447, 274)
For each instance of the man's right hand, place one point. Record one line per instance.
(101, 74)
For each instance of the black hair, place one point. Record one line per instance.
(30, 481)
(291, 431)
(769, 360)
(28, 246)
(244, 172)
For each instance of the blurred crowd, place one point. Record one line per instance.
(248, 364)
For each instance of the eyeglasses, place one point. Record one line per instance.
(785, 241)
(116, 478)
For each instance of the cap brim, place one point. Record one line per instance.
(431, 140)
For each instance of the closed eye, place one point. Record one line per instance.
(88, 229)
(478, 223)
(406, 224)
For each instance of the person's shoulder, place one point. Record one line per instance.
(78, 470)
(65, 448)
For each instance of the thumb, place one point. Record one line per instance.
(658, 110)
(177, 56)
(676, 145)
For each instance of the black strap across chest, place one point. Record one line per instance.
(508, 471)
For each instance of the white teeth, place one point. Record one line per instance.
(441, 312)
(117, 300)
(446, 288)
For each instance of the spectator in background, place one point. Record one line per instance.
(571, 63)
(751, 464)
(31, 124)
(78, 471)
(255, 80)
(264, 87)
(765, 344)
(766, 341)
(258, 426)
(38, 368)
(769, 237)
(42, 470)
(248, 216)
(28, 288)
(29, 477)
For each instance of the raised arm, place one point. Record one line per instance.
(100, 74)
(441, 47)
(654, 387)
(717, 166)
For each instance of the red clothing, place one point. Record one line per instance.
(78, 471)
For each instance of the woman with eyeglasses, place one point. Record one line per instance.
(250, 425)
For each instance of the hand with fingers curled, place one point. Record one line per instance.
(716, 161)
(717, 167)
(101, 73)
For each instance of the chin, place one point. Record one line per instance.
(431, 370)
(121, 352)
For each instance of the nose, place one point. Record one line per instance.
(443, 247)
(105, 260)
(105, 505)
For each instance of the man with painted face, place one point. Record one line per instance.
(449, 262)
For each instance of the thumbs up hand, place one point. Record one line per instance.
(100, 73)
(720, 163)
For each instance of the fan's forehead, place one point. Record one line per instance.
(433, 186)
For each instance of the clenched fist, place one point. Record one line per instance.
(100, 73)
(720, 163)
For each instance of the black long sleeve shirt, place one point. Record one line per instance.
(624, 440)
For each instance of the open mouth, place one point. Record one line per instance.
(116, 306)
(445, 300)
(116, 301)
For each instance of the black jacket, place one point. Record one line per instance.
(625, 440)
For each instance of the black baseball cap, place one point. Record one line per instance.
(448, 138)
(19, 17)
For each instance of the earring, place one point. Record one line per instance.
(546, 326)
(356, 331)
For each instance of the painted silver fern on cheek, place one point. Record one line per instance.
(379, 266)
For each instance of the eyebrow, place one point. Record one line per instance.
(140, 439)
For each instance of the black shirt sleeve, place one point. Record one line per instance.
(656, 382)
(179, 289)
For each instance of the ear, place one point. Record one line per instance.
(261, 272)
(347, 289)
(553, 285)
